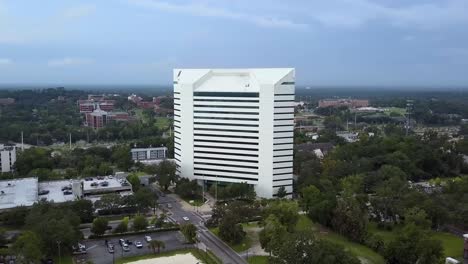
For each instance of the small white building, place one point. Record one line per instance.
(7, 157)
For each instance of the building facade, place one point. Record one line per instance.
(149, 153)
(88, 106)
(353, 103)
(7, 157)
(235, 125)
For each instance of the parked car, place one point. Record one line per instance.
(126, 248)
(169, 205)
(148, 238)
(67, 192)
(185, 218)
(128, 242)
(110, 248)
(43, 192)
(122, 243)
(138, 244)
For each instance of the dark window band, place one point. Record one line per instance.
(176, 92)
(288, 83)
(227, 106)
(285, 131)
(178, 121)
(224, 147)
(221, 112)
(288, 113)
(224, 124)
(225, 100)
(176, 98)
(280, 156)
(225, 177)
(283, 173)
(284, 106)
(284, 94)
(282, 161)
(225, 94)
(224, 153)
(283, 125)
(228, 171)
(283, 119)
(177, 148)
(238, 160)
(226, 118)
(280, 168)
(286, 185)
(287, 143)
(177, 159)
(277, 180)
(177, 137)
(226, 136)
(177, 143)
(284, 101)
(225, 165)
(225, 130)
(176, 104)
(224, 142)
(282, 137)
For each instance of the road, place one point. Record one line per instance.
(205, 236)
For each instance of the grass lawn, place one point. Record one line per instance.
(396, 110)
(358, 250)
(208, 258)
(242, 246)
(258, 260)
(452, 244)
(67, 259)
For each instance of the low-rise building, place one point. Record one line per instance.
(7, 101)
(7, 157)
(100, 118)
(88, 106)
(18, 192)
(158, 153)
(353, 103)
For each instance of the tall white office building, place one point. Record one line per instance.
(235, 125)
(7, 157)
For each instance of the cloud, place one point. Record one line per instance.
(203, 10)
(355, 13)
(69, 61)
(79, 11)
(5, 61)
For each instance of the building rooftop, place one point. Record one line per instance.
(56, 191)
(105, 184)
(18, 192)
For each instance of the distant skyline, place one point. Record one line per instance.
(418, 43)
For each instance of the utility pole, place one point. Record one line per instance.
(58, 245)
(70, 142)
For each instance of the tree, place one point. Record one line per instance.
(53, 224)
(28, 247)
(281, 192)
(123, 226)
(189, 231)
(156, 244)
(418, 217)
(310, 196)
(84, 209)
(109, 202)
(188, 189)
(305, 248)
(134, 181)
(166, 173)
(286, 211)
(413, 245)
(139, 223)
(230, 230)
(349, 219)
(146, 198)
(272, 234)
(99, 226)
(121, 156)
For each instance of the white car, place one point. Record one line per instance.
(185, 218)
(138, 244)
(148, 238)
(125, 248)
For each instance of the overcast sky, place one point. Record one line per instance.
(329, 42)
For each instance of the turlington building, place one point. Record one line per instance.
(235, 125)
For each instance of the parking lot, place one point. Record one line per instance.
(98, 253)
